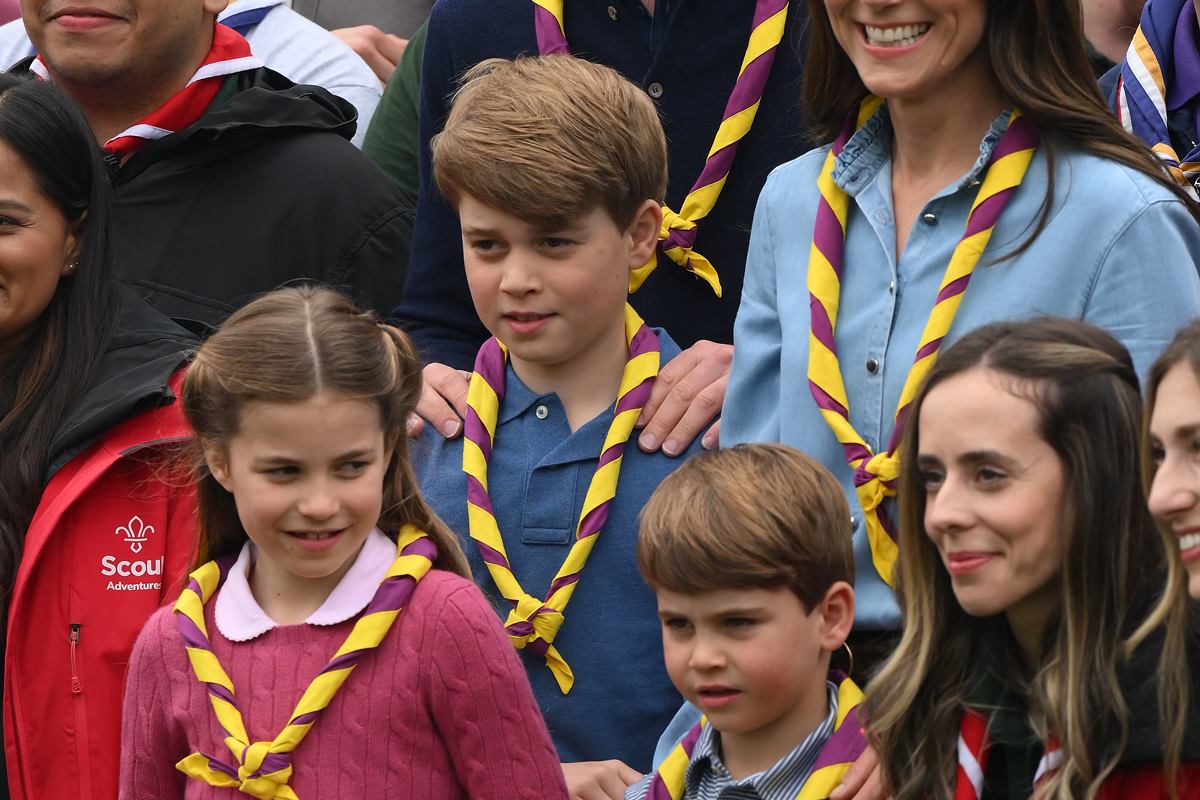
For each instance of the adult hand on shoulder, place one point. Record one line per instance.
(443, 402)
(863, 781)
(599, 780)
(687, 396)
(380, 50)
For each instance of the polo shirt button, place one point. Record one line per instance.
(655, 90)
(612, 13)
(541, 412)
(929, 218)
(872, 365)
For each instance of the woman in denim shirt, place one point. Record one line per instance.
(1095, 230)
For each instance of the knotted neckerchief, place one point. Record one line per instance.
(875, 473)
(973, 749)
(533, 623)
(1149, 68)
(844, 746)
(230, 53)
(678, 234)
(263, 769)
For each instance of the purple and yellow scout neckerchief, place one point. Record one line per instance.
(1161, 73)
(678, 233)
(263, 769)
(875, 474)
(534, 623)
(844, 746)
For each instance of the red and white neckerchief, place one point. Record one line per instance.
(973, 747)
(230, 53)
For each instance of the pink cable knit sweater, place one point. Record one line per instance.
(442, 709)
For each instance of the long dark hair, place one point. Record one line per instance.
(1037, 53)
(1121, 579)
(289, 346)
(52, 365)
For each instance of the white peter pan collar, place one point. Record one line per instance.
(240, 618)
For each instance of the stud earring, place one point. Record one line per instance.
(72, 267)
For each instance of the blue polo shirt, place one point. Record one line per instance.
(538, 477)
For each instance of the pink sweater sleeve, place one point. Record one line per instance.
(151, 743)
(483, 706)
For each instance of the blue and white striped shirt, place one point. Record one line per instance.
(708, 779)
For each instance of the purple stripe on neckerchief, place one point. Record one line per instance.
(550, 37)
(845, 745)
(824, 401)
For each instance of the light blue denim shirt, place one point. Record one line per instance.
(612, 638)
(1118, 250)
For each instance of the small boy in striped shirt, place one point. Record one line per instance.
(749, 553)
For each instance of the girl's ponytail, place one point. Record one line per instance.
(409, 505)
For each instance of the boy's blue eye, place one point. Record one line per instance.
(676, 624)
(555, 242)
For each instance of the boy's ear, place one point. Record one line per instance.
(218, 464)
(643, 233)
(837, 615)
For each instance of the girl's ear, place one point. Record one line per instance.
(643, 233)
(217, 459)
(837, 615)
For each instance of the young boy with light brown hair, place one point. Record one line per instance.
(749, 553)
(557, 168)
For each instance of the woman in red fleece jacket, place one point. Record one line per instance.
(90, 532)
(331, 644)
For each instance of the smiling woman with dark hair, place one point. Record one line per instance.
(1046, 641)
(91, 532)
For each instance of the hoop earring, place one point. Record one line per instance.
(849, 655)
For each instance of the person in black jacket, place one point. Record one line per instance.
(229, 179)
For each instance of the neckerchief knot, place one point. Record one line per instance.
(532, 623)
(679, 230)
(264, 768)
(874, 480)
(875, 473)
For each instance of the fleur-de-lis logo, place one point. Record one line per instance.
(135, 532)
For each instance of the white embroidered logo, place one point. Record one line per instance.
(135, 532)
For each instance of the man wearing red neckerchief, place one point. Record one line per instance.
(229, 180)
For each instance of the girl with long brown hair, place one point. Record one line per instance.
(330, 643)
(1046, 649)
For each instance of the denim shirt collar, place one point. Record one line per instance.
(869, 151)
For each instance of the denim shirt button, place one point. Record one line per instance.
(541, 412)
(891, 287)
(882, 216)
(929, 218)
(872, 365)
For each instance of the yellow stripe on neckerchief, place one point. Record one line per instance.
(263, 769)
(875, 474)
(845, 744)
(677, 237)
(534, 623)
